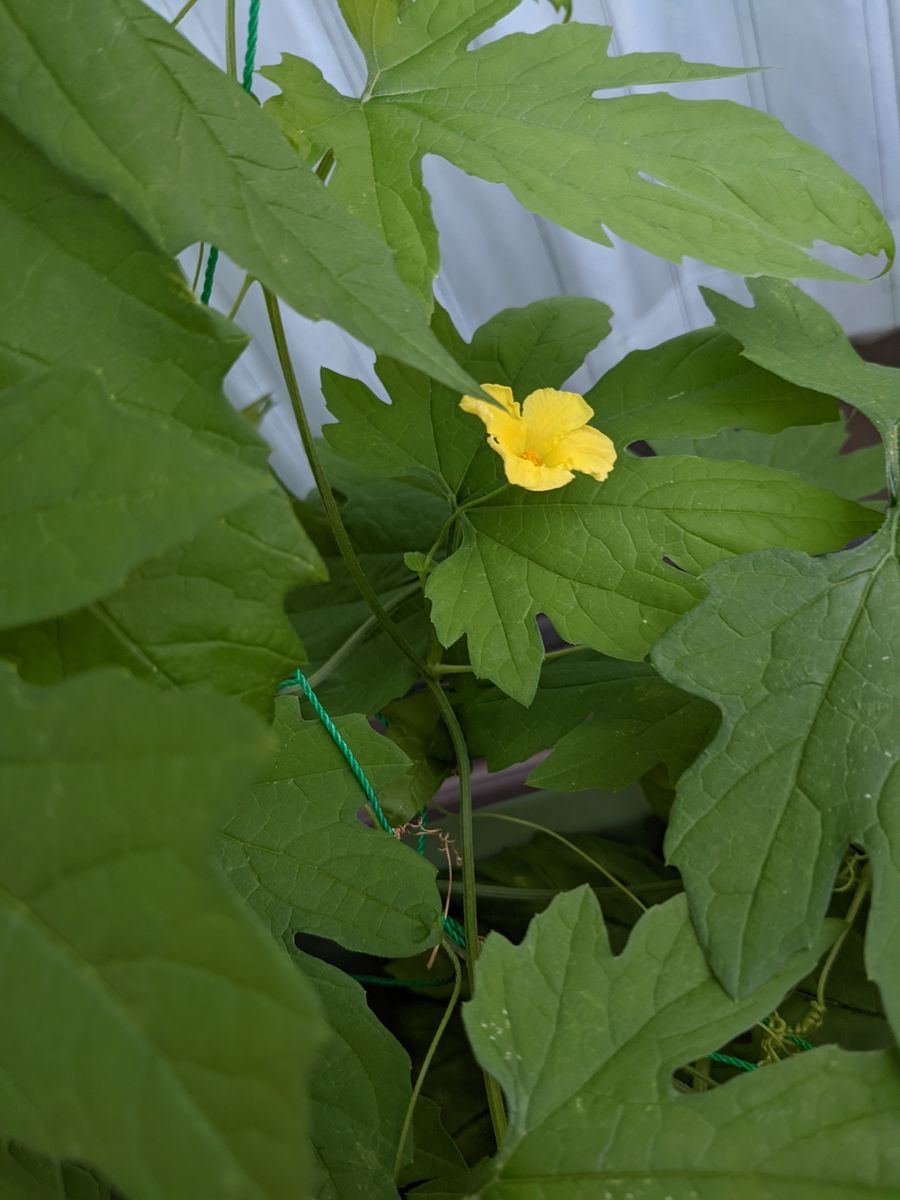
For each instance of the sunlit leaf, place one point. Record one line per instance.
(813, 454)
(595, 557)
(696, 385)
(713, 180)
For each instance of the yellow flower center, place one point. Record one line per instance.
(532, 457)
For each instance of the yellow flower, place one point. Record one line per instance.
(545, 439)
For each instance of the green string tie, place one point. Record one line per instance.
(247, 85)
(452, 928)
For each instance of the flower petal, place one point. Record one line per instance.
(533, 477)
(586, 450)
(503, 424)
(550, 415)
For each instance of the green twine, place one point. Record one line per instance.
(250, 52)
(729, 1061)
(387, 981)
(299, 679)
(247, 85)
(452, 928)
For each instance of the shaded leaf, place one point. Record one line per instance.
(359, 1092)
(800, 656)
(593, 557)
(208, 611)
(584, 1045)
(25, 1175)
(813, 454)
(660, 172)
(297, 852)
(436, 1154)
(356, 667)
(608, 721)
(146, 1019)
(208, 166)
(697, 384)
(91, 487)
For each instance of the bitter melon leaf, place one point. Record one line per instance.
(608, 721)
(359, 1091)
(355, 665)
(208, 166)
(150, 1027)
(800, 656)
(297, 852)
(713, 180)
(695, 385)
(813, 454)
(91, 487)
(207, 611)
(25, 1175)
(436, 1154)
(791, 335)
(422, 434)
(584, 1045)
(592, 557)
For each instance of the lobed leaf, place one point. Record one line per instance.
(208, 165)
(789, 334)
(606, 722)
(799, 655)
(584, 1045)
(709, 179)
(813, 454)
(359, 1092)
(698, 384)
(208, 610)
(87, 492)
(150, 1028)
(595, 558)
(296, 851)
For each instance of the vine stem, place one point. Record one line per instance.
(345, 546)
(230, 40)
(426, 1061)
(852, 912)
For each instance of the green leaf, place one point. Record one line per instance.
(813, 454)
(25, 1175)
(593, 557)
(298, 854)
(150, 1027)
(356, 667)
(708, 179)
(359, 1092)
(790, 335)
(584, 1045)
(697, 384)
(800, 656)
(207, 611)
(208, 165)
(422, 434)
(436, 1154)
(609, 723)
(87, 491)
